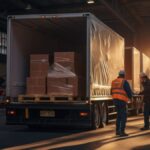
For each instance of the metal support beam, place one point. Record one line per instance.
(117, 14)
(130, 9)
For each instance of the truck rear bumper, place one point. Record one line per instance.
(49, 115)
(63, 123)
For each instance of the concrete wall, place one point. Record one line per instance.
(143, 38)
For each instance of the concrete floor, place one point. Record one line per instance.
(101, 139)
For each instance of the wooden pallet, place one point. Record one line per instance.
(44, 98)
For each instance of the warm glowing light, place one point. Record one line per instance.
(83, 114)
(7, 100)
(87, 102)
(90, 1)
(11, 112)
(43, 17)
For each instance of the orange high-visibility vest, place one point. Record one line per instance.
(117, 90)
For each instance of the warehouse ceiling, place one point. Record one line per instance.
(127, 17)
(131, 13)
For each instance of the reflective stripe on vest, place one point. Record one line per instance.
(117, 90)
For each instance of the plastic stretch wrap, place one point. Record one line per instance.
(106, 56)
(61, 81)
(58, 71)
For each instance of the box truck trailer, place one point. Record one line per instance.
(146, 64)
(133, 64)
(132, 67)
(100, 56)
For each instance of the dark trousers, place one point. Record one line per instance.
(121, 115)
(146, 115)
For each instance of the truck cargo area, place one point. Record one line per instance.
(43, 36)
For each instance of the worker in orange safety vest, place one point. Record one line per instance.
(121, 93)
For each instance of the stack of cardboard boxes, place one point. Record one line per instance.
(65, 82)
(43, 80)
(36, 83)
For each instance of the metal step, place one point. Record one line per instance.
(111, 121)
(113, 113)
(113, 106)
(129, 109)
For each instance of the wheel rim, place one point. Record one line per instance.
(104, 114)
(96, 117)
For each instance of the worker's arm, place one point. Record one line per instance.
(128, 89)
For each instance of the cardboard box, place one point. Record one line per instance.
(39, 69)
(36, 90)
(62, 86)
(38, 66)
(66, 59)
(36, 85)
(56, 81)
(64, 56)
(36, 81)
(38, 73)
(74, 82)
(39, 58)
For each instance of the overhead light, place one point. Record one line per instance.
(90, 1)
(84, 114)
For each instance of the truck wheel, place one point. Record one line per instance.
(103, 115)
(95, 117)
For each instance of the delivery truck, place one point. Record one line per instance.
(133, 68)
(146, 64)
(78, 56)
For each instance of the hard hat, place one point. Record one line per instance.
(142, 74)
(121, 72)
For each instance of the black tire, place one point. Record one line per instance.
(95, 117)
(103, 115)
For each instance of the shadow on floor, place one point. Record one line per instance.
(144, 147)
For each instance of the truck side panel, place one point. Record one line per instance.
(100, 53)
(107, 57)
